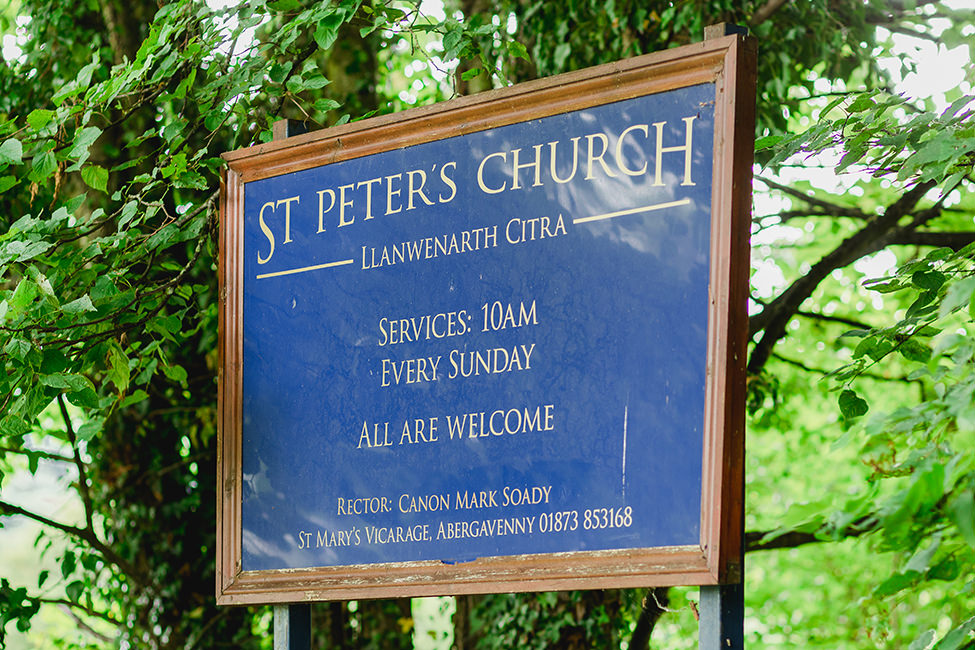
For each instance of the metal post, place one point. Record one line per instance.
(722, 618)
(292, 627)
(722, 609)
(287, 128)
(292, 623)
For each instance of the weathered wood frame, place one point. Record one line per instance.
(728, 62)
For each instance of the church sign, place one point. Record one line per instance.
(496, 344)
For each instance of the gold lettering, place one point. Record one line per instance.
(390, 193)
(417, 190)
(516, 167)
(480, 174)
(322, 209)
(449, 182)
(597, 158)
(686, 148)
(267, 233)
(575, 160)
(287, 216)
(620, 162)
(343, 204)
(369, 183)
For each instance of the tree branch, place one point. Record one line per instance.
(911, 33)
(47, 455)
(819, 371)
(834, 319)
(765, 11)
(83, 534)
(874, 236)
(11, 509)
(794, 539)
(953, 240)
(825, 207)
(79, 464)
(201, 633)
(68, 608)
(63, 602)
(654, 606)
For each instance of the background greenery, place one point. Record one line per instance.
(861, 484)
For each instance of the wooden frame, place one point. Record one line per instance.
(729, 63)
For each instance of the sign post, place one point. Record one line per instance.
(492, 345)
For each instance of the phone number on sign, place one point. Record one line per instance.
(592, 519)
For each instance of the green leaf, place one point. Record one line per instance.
(284, 5)
(17, 348)
(930, 280)
(11, 152)
(852, 405)
(75, 590)
(118, 370)
(328, 29)
(467, 75)
(561, 54)
(134, 398)
(896, 583)
(191, 180)
(451, 40)
(883, 285)
(176, 373)
(960, 637)
(922, 305)
(947, 570)
(279, 72)
(962, 513)
(518, 50)
(861, 103)
(90, 429)
(873, 347)
(128, 211)
(23, 296)
(923, 641)
(959, 294)
(39, 118)
(96, 177)
(85, 398)
(83, 139)
(13, 425)
(316, 82)
(325, 105)
(79, 305)
(71, 382)
(768, 142)
(922, 559)
(914, 350)
(295, 85)
(44, 165)
(32, 250)
(69, 563)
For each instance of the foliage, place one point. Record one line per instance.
(108, 304)
(563, 620)
(112, 119)
(580, 33)
(918, 500)
(886, 136)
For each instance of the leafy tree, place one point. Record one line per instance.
(917, 501)
(112, 117)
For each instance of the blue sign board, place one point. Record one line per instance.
(488, 345)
